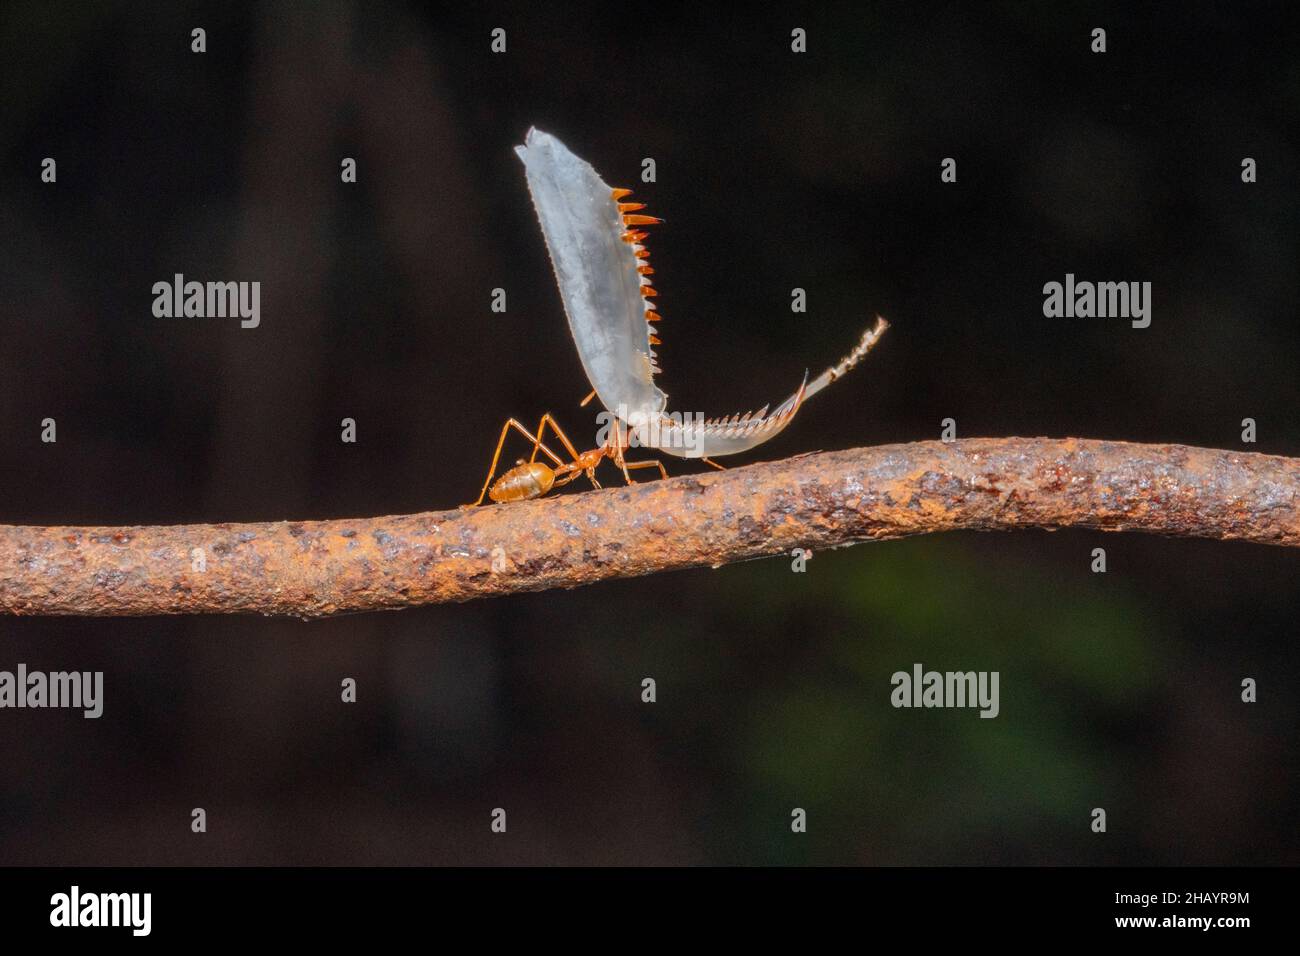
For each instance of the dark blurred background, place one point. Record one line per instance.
(775, 170)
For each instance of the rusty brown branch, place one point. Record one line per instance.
(317, 568)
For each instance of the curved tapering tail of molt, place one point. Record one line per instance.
(716, 437)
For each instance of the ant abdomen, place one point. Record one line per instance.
(530, 479)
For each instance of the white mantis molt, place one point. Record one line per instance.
(601, 268)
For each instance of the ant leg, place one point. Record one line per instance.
(559, 433)
(496, 456)
(617, 451)
(710, 461)
(653, 463)
(568, 446)
(583, 403)
(626, 465)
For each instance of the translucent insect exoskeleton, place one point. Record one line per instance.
(596, 239)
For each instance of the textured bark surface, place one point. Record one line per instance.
(317, 568)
